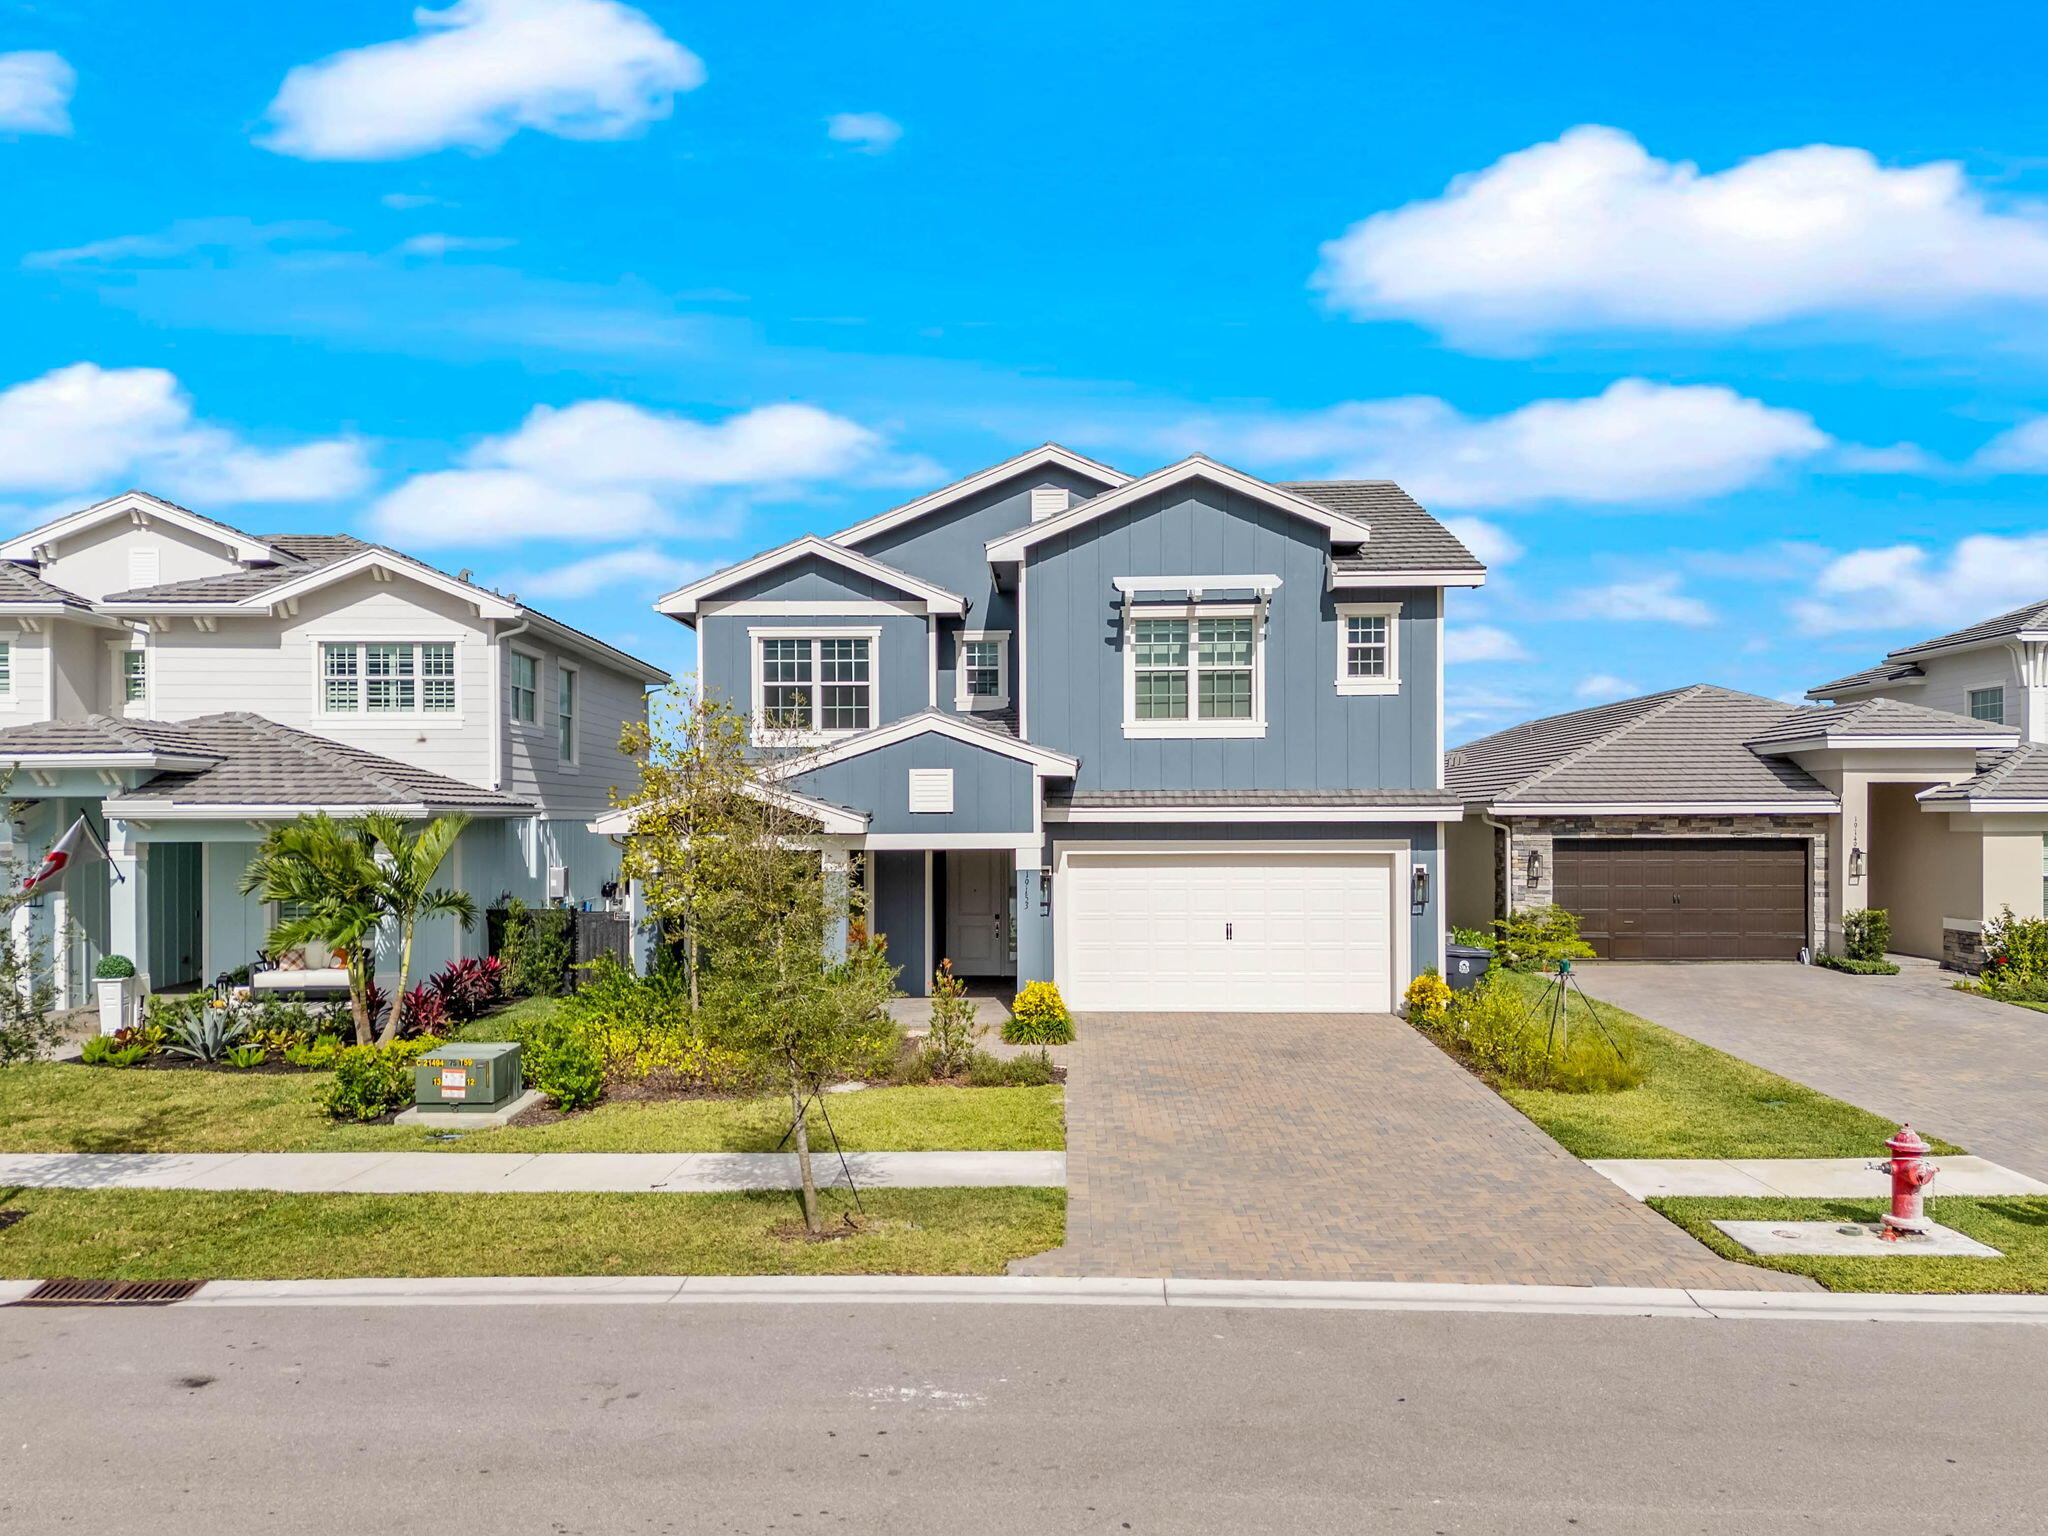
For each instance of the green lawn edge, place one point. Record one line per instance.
(252, 1235)
(1699, 1102)
(2016, 1225)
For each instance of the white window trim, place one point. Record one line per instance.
(1000, 699)
(1391, 683)
(1970, 703)
(1193, 728)
(117, 653)
(763, 736)
(10, 689)
(410, 719)
(571, 760)
(539, 724)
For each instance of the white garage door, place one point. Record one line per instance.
(1225, 931)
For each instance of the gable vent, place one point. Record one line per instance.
(1049, 501)
(144, 564)
(931, 789)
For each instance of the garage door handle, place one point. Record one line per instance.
(1226, 930)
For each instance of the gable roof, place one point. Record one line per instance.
(2032, 618)
(1341, 527)
(21, 588)
(131, 503)
(2005, 781)
(1687, 746)
(1877, 722)
(101, 741)
(683, 602)
(960, 727)
(1870, 677)
(1045, 456)
(1405, 540)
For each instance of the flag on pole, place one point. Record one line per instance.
(79, 845)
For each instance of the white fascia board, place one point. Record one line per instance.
(939, 842)
(1985, 807)
(1833, 743)
(1192, 814)
(682, 603)
(589, 645)
(1044, 759)
(1049, 456)
(1982, 642)
(173, 810)
(23, 546)
(1131, 586)
(1672, 808)
(156, 762)
(489, 604)
(1870, 688)
(1340, 581)
(1011, 546)
(833, 820)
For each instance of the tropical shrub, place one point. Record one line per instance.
(424, 1013)
(205, 1033)
(467, 988)
(107, 1051)
(370, 1081)
(1855, 967)
(985, 1070)
(112, 967)
(147, 1038)
(317, 1054)
(1536, 938)
(536, 949)
(2016, 957)
(1474, 938)
(953, 1029)
(1497, 1029)
(1039, 1017)
(1866, 934)
(245, 1056)
(565, 1066)
(1428, 1000)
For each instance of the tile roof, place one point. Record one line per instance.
(100, 733)
(1870, 677)
(1225, 798)
(303, 552)
(1404, 536)
(1874, 717)
(19, 584)
(2021, 774)
(2033, 616)
(1688, 744)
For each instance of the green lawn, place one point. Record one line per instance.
(1700, 1102)
(2017, 1227)
(61, 1107)
(199, 1235)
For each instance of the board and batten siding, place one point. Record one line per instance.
(991, 792)
(1315, 737)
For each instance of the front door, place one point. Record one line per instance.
(978, 912)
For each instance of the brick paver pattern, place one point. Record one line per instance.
(1334, 1147)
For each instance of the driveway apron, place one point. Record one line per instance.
(1908, 1047)
(1334, 1147)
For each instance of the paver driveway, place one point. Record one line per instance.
(1333, 1147)
(1908, 1047)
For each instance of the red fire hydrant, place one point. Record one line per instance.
(1911, 1174)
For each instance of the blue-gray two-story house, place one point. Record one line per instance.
(1172, 741)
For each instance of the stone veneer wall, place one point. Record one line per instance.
(1962, 949)
(1540, 832)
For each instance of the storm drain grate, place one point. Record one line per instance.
(108, 1293)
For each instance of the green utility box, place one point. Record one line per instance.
(467, 1078)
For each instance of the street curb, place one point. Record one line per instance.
(1047, 1290)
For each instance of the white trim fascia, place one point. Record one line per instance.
(1011, 546)
(962, 700)
(931, 923)
(1231, 814)
(156, 762)
(947, 842)
(1368, 579)
(1834, 743)
(1049, 763)
(1045, 457)
(1964, 924)
(1019, 654)
(1977, 807)
(1195, 586)
(1673, 808)
(682, 603)
(245, 547)
(789, 608)
(1914, 653)
(145, 811)
(833, 820)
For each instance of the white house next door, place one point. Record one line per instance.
(1227, 931)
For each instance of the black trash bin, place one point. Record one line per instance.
(1464, 964)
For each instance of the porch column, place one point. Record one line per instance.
(837, 862)
(1034, 924)
(127, 903)
(641, 931)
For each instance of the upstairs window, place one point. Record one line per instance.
(1988, 704)
(1195, 673)
(385, 677)
(982, 670)
(134, 676)
(6, 668)
(565, 713)
(814, 685)
(522, 686)
(1368, 648)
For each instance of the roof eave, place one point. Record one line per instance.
(1042, 457)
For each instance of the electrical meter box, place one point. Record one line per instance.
(471, 1077)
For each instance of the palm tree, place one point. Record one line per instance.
(340, 881)
(325, 875)
(409, 865)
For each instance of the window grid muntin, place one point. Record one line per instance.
(6, 666)
(981, 662)
(822, 683)
(387, 677)
(1209, 662)
(134, 676)
(1988, 704)
(1365, 645)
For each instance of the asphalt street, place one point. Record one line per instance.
(1009, 1418)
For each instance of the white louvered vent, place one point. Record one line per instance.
(931, 789)
(144, 563)
(1049, 501)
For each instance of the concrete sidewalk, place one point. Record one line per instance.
(406, 1173)
(1804, 1178)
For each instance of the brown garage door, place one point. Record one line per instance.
(1686, 898)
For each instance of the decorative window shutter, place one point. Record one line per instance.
(931, 789)
(1049, 501)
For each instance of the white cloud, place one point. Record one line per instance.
(870, 132)
(79, 428)
(1653, 599)
(1904, 584)
(1494, 546)
(478, 72)
(443, 245)
(35, 92)
(1481, 642)
(405, 202)
(221, 240)
(2020, 450)
(1603, 687)
(645, 568)
(1636, 441)
(1592, 231)
(604, 470)
(1483, 707)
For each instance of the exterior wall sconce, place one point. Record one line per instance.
(1419, 886)
(1855, 865)
(1535, 866)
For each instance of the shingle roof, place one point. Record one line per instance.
(1870, 677)
(19, 584)
(1404, 536)
(264, 763)
(2033, 616)
(1874, 717)
(1689, 744)
(1225, 798)
(2021, 774)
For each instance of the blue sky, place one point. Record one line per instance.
(586, 297)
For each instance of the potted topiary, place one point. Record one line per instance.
(114, 981)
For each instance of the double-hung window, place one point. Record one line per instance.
(374, 677)
(522, 687)
(815, 685)
(6, 668)
(1194, 672)
(1368, 648)
(982, 670)
(1988, 704)
(134, 677)
(565, 713)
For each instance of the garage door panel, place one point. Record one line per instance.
(1686, 899)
